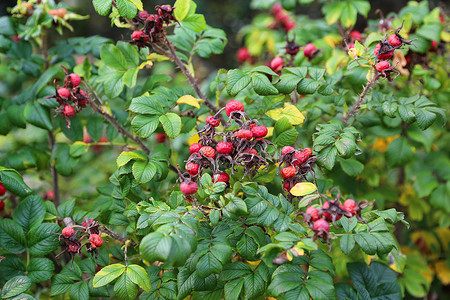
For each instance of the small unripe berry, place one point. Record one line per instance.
(222, 177)
(63, 92)
(189, 188)
(394, 40)
(313, 212)
(69, 110)
(382, 65)
(277, 64)
(2, 189)
(350, 206)
(242, 55)
(259, 131)
(224, 148)
(194, 148)
(67, 231)
(309, 50)
(233, 105)
(286, 150)
(75, 79)
(288, 172)
(95, 240)
(212, 121)
(208, 151)
(192, 168)
(321, 225)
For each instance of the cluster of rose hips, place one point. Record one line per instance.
(153, 30)
(282, 18)
(244, 146)
(70, 97)
(297, 163)
(2, 192)
(89, 231)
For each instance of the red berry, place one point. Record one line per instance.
(441, 17)
(75, 79)
(327, 215)
(350, 206)
(244, 134)
(2, 189)
(382, 65)
(69, 110)
(250, 151)
(136, 35)
(90, 221)
(276, 8)
(313, 212)
(50, 195)
(351, 45)
(233, 105)
(259, 131)
(321, 225)
(189, 188)
(286, 150)
(299, 158)
(95, 240)
(208, 151)
(287, 187)
(192, 168)
(67, 231)
(194, 148)
(309, 50)
(224, 148)
(282, 17)
(72, 248)
(394, 40)
(212, 121)
(356, 35)
(289, 25)
(143, 14)
(243, 54)
(2, 205)
(83, 93)
(433, 45)
(277, 64)
(307, 151)
(383, 56)
(222, 177)
(161, 137)
(288, 172)
(63, 92)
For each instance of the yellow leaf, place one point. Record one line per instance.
(254, 263)
(269, 132)
(145, 64)
(445, 36)
(299, 251)
(189, 100)
(289, 255)
(157, 57)
(291, 112)
(303, 188)
(443, 272)
(138, 4)
(193, 139)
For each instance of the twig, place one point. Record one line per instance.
(360, 100)
(51, 141)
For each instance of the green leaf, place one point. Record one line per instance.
(30, 212)
(16, 115)
(424, 118)
(367, 242)
(94, 127)
(285, 278)
(406, 113)
(108, 274)
(130, 53)
(139, 276)
(207, 265)
(130, 77)
(147, 105)
(126, 8)
(11, 266)
(399, 152)
(14, 183)
(38, 116)
(144, 171)
(112, 56)
(60, 285)
(351, 167)
(127, 156)
(65, 209)
(15, 286)
(79, 291)
(316, 73)
(307, 86)
(102, 7)
(237, 81)
(233, 289)
(195, 22)
(262, 85)
(327, 157)
(113, 84)
(41, 240)
(124, 288)
(171, 123)
(182, 9)
(345, 291)
(12, 237)
(430, 32)
(347, 243)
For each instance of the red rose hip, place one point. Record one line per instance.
(2, 189)
(192, 168)
(224, 148)
(286, 150)
(313, 212)
(212, 121)
(350, 206)
(63, 92)
(232, 106)
(96, 240)
(67, 231)
(321, 225)
(189, 188)
(393, 40)
(69, 110)
(288, 172)
(259, 131)
(208, 151)
(194, 148)
(75, 79)
(382, 65)
(222, 177)
(309, 50)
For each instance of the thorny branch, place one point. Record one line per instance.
(356, 106)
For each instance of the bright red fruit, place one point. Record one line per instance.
(286, 150)
(244, 134)
(243, 54)
(309, 50)
(394, 40)
(208, 151)
(321, 225)
(90, 221)
(433, 45)
(136, 35)
(307, 151)
(288, 172)
(2, 189)
(382, 65)
(96, 240)
(313, 212)
(194, 148)
(192, 168)
(289, 25)
(69, 110)
(350, 206)
(356, 35)
(161, 137)
(327, 215)
(259, 131)
(287, 187)
(75, 79)
(224, 148)
(300, 158)
(383, 56)
(276, 8)
(277, 64)
(212, 121)
(222, 177)
(189, 188)
(67, 231)
(233, 105)
(63, 92)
